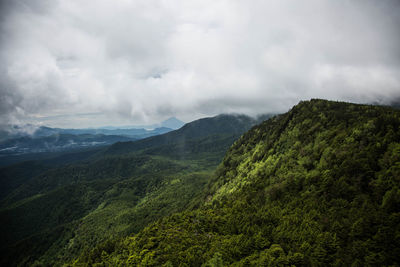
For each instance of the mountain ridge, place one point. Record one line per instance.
(34, 131)
(221, 124)
(317, 186)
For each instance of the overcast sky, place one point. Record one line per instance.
(89, 63)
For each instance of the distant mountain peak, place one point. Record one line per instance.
(172, 123)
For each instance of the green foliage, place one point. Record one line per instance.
(317, 186)
(55, 212)
(215, 261)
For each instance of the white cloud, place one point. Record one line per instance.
(144, 60)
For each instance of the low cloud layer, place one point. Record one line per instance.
(145, 60)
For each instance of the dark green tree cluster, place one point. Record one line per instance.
(317, 186)
(54, 209)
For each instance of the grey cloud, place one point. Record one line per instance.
(145, 60)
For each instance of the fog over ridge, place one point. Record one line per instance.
(85, 63)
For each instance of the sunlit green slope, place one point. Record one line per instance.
(317, 186)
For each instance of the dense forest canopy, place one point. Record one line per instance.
(316, 186)
(52, 209)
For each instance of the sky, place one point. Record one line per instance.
(94, 63)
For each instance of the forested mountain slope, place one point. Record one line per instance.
(317, 186)
(181, 141)
(54, 215)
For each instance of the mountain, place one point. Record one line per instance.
(172, 123)
(224, 126)
(51, 213)
(317, 186)
(137, 133)
(46, 139)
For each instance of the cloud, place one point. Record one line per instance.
(144, 60)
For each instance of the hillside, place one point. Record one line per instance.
(50, 213)
(220, 126)
(317, 186)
